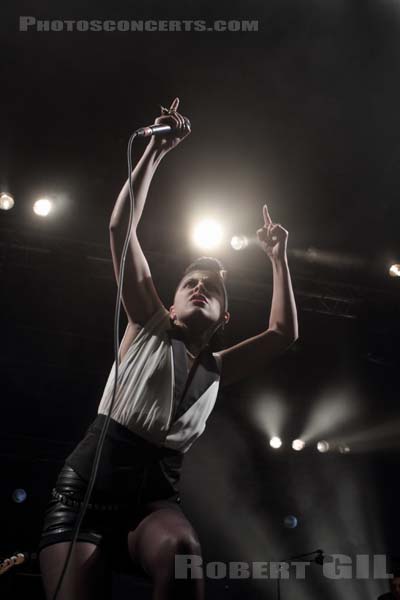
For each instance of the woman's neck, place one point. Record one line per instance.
(194, 342)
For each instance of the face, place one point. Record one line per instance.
(200, 296)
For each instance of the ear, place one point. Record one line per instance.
(172, 312)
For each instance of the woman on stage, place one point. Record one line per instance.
(167, 386)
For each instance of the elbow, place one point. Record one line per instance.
(293, 334)
(288, 336)
(290, 339)
(117, 229)
(113, 225)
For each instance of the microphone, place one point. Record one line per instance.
(154, 130)
(158, 129)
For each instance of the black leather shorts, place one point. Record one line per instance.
(132, 482)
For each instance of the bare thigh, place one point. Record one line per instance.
(87, 577)
(154, 545)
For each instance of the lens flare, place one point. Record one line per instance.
(19, 495)
(239, 242)
(290, 522)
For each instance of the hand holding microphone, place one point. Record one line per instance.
(168, 130)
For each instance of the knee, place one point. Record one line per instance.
(187, 544)
(176, 544)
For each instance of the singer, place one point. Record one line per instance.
(168, 383)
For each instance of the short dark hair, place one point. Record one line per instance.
(209, 263)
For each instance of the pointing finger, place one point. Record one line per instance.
(175, 104)
(267, 218)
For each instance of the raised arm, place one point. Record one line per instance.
(253, 354)
(139, 295)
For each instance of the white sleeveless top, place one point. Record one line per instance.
(145, 401)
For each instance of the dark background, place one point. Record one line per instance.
(303, 115)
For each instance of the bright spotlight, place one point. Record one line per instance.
(42, 207)
(207, 234)
(323, 446)
(275, 442)
(239, 242)
(298, 445)
(6, 201)
(394, 271)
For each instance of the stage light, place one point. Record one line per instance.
(323, 446)
(6, 201)
(239, 242)
(19, 495)
(42, 207)
(207, 234)
(298, 445)
(345, 449)
(336, 407)
(269, 413)
(275, 442)
(394, 271)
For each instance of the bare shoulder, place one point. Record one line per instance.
(133, 329)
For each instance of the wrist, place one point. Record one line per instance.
(154, 150)
(279, 261)
(154, 154)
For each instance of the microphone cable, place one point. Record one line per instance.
(104, 430)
